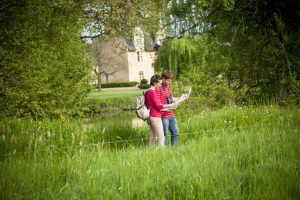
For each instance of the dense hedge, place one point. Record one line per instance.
(144, 86)
(119, 84)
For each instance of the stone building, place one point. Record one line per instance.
(123, 60)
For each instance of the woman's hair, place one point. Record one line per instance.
(155, 79)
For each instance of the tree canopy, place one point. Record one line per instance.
(118, 18)
(254, 44)
(44, 67)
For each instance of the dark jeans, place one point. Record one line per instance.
(171, 124)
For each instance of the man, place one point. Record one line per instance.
(168, 118)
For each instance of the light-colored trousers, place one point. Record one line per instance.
(156, 131)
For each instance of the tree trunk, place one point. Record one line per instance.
(99, 83)
(282, 89)
(286, 64)
(99, 79)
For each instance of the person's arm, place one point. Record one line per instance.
(155, 101)
(169, 107)
(157, 104)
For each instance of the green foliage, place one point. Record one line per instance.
(176, 56)
(254, 45)
(144, 81)
(119, 84)
(207, 91)
(259, 56)
(118, 18)
(93, 106)
(44, 69)
(144, 86)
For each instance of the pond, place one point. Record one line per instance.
(122, 127)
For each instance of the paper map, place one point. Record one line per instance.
(182, 99)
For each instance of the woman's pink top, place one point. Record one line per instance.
(153, 102)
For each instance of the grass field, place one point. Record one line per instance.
(231, 153)
(116, 93)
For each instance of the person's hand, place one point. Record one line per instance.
(173, 105)
(175, 99)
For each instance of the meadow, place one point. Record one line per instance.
(229, 153)
(116, 93)
(239, 130)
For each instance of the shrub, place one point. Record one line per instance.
(208, 91)
(144, 81)
(144, 86)
(119, 84)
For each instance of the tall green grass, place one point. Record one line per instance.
(19, 136)
(207, 122)
(233, 153)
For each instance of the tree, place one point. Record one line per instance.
(256, 43)
(118, 18)
(108, 55)
(44, 65)
(263, 37)
(176, 56)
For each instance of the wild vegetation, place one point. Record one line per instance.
(45, 69)
(245, 51)
(239, 130)
(235, 153)
(230, 51)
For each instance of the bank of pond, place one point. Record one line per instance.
(229, 153)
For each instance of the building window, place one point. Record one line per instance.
(141, 74)
(139, 56)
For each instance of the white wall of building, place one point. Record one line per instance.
(145, 66)
(125, 65)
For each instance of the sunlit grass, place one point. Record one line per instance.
(232, 153)
(25, 135)
(116, 93)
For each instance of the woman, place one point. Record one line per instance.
(153, 103)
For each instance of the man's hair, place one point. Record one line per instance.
(167, 75)
(155, 79)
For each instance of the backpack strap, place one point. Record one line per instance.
(140, 105)
(145, 104)
(145, 93)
